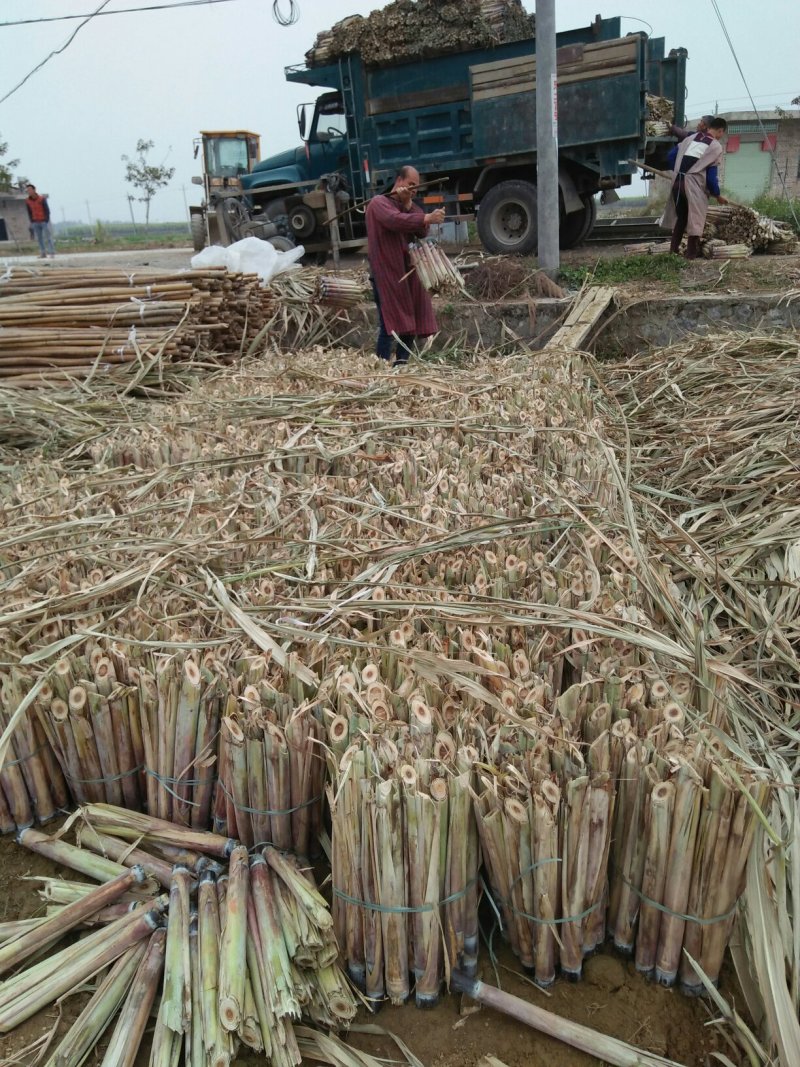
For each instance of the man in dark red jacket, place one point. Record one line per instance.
(404, 306)
(39, 214)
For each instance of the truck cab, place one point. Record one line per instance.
(289, 189)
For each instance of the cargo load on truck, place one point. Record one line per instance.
(418, 29)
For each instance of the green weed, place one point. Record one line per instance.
(779, 208)
(664, 267)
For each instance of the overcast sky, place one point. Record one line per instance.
(164, 75)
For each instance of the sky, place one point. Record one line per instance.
(164, 75)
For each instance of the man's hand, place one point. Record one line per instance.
(405, 194)
(723, 200)
(435, 217)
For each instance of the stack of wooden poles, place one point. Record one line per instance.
(75, 321)
(240, 949)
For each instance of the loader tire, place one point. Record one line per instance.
(198, 224)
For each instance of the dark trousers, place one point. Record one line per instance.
(383, 346)
(681, 203)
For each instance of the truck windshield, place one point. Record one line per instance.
(329, 116)
(226, 157)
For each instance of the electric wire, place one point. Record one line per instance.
(117, 11)
(57, 51)
(767, 141)
(291, 16)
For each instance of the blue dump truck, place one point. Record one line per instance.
(469, 119)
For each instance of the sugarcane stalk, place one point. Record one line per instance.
(32, 990)
(71, 916)
(97, 867)
(129, 1030)
(685, 819)
(658, 823)
(185, 742)
(88, 1028)
(176, 999)
(232, 951)
(583, 1038)
(131, 825)
(123, 852)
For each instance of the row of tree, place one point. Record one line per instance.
(145, 177)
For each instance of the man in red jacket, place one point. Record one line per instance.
(404, 306)
(39, 214)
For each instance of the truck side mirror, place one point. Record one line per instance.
(301, 121)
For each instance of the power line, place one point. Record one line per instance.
(117, 11)
(755, 109)
(46, 59)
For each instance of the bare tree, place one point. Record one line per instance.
(6, 167)
(146, 177)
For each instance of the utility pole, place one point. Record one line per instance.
(547, 137)
(88, 212)
(130, 205)
(186, 210)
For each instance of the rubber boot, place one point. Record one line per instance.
(675, 243)
(693, 247)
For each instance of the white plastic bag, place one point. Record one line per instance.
(250, 256)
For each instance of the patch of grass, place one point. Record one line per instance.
(780, 209)
(664, 267)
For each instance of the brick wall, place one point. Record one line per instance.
(14, 212)
(787, 159)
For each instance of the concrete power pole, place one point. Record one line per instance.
(547, 137)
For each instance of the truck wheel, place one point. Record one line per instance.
(507, 219)
(576, 226)
(198, 225)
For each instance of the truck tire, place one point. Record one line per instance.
(576, 226)
(507, 219)
(198, 224)
(591, 219)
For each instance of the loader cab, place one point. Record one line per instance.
(227, 155)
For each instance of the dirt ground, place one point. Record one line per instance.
(762, 272)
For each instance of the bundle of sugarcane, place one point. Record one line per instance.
(709, 244)
(546, 847)
(785, 245)
(90, 714)
(272, 772)
(404, 863)
(338, 291)
(180, 711)
(736, 224)
(403, 30)
(433, 268)
(32, 787)
(731, 251)
(659, 109)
